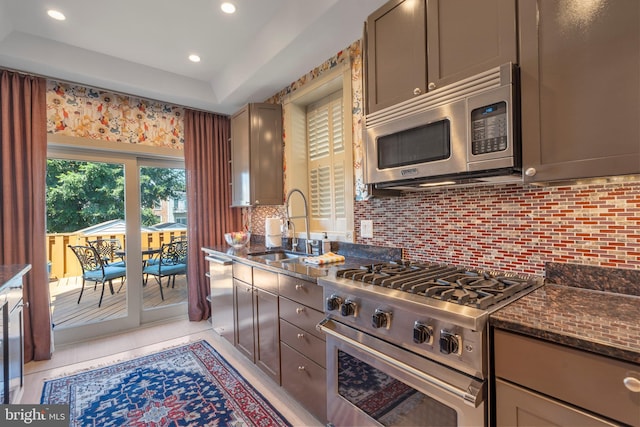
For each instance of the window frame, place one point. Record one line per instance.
(332, 160)
(296, 150)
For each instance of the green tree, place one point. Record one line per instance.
(81, 194)
(158, 184)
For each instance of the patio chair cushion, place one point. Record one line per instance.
(165, 269)
(110, 272)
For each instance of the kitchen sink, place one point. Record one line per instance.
(279, 256)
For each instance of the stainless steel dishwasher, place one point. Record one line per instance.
(221, 280)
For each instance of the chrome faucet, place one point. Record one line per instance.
(294, 241)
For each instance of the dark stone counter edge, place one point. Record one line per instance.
(12, 273)
(572, 342)
(241, 255)
(605, 279)
(238, 256)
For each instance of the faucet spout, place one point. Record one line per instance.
(305, 216)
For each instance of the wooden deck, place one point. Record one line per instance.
(66, 311)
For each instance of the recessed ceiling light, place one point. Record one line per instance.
(55, 14)
(194, 58)
(228, 7)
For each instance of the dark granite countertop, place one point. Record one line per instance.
(13, 273)
(302, 270)
(604, 323)
(243, 255)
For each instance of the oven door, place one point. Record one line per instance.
(372, 382)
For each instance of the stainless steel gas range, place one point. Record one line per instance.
(407, 343)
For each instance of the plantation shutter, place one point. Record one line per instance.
(326, 163)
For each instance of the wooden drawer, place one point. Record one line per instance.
(266, 280)
(309, 345)
(301, 316)
(587, 380)
(305, 381)
(302, 291)
(242, 272)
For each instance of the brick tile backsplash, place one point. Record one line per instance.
(512, 227)
(515, 228)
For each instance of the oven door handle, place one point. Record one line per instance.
(470, 397)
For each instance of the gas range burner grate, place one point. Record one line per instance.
(476, 290)
(442, 282)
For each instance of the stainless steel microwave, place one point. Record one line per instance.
(462, 133)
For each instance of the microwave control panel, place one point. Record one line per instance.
(489, 128)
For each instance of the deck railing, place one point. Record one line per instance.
(65, 264)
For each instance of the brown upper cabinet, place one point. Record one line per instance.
(414, 46)
(580, 73)
(256, 155)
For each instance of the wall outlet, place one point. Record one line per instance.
(366, 228)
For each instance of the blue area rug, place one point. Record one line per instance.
(190, 385)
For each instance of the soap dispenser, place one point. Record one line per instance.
(326, 244)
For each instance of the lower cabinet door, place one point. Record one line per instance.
(305, 380)
(267, 333)
(243, 295)
(516, 406)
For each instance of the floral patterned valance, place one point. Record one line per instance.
(95, 114)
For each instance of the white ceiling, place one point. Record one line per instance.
(140, 47)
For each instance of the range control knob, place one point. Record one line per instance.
(381, 319)
(348, 308)
(449, 343)
(333, 303)
(422, 333)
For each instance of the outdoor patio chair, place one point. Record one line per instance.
(108, 250)
(169, 262)
(95, 270)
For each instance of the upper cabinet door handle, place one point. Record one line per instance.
(432, 86)
(417, 91)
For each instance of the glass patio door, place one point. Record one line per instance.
(87, 205)
(105, 196)
(163, 218)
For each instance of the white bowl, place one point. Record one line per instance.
(237, 239)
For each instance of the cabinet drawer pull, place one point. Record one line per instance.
(301, 368)
(300, 336)
(300, 310)
(633, 384)
(417, 91)
(432, 86)
(299, 287)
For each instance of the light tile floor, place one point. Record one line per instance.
(145, 340)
